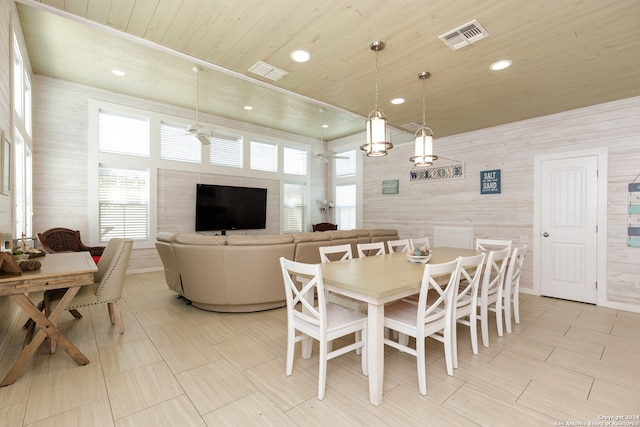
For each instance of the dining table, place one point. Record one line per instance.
(378, 280)
(69, 270)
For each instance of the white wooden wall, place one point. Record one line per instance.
(511, 148)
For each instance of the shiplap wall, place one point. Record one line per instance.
(511, 148)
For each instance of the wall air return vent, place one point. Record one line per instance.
(269, 71)
(464, 35)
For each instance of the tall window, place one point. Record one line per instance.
(123, 192)
(345, 206)
(295, 161)
(294, 208)
(22, 159)
(345, 190)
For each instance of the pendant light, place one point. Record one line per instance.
(424, 136)
(377, 144)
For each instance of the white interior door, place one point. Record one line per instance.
(568, 228)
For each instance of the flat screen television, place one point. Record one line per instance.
(223, 207)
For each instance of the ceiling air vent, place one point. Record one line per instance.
(412, 127)
(464, 35)
(269, 71)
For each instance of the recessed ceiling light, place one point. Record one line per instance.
(300, 55)
(118, 73)
(500, 65)
(325, 125)
(248, 107)
(397, 101)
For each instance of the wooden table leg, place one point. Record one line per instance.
(375, 352)
(47, 327)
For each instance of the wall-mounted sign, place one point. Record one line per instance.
(390, 186)
(490, 182)
(437, 173)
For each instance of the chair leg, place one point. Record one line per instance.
(507, 313)
(473, 330)
(421, 362)
(454, 342)
(117, 308)
(111, 313)
(499, 316)
(291, 342)
(448, 350)
(322, 370)
(484, 324)
(516, 307)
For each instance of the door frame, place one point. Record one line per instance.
(601, 238)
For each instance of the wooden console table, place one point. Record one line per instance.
(63, 270)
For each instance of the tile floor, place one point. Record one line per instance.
(178, 365)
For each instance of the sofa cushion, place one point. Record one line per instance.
(167, 236)
(310, 237)
(342, 234)
(267, 239)
(200, 239)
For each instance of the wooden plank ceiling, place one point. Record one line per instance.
(566, 55)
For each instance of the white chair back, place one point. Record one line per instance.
(492, 244)
(395, 246)
(340, 252)
(419, 242)
(370, 249)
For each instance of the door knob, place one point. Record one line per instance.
(545, 234)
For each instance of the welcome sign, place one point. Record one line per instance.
(437, 173)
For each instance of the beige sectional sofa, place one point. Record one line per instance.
(238, 273)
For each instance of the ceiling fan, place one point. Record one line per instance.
(325, 156)
(199, 132)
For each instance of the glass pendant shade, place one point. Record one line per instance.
(377, 144)
(423, 148)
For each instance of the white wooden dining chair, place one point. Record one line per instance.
(427, 317)
(341, 253)
(323, 321)
(465, 306)
(107, 289)
(511, 294)
(419, 242)
(370, 249)
(493, 244)
(395, 246)
(490, 292)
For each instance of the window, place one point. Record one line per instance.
(21, 179)
(178, 144)
(295, 161)
(123, 199)
(123, 192)
(346, 167)
(345, 206)
(18, 75)
(264, 156)
(294, 207)
(226, 150)
(121, 133)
